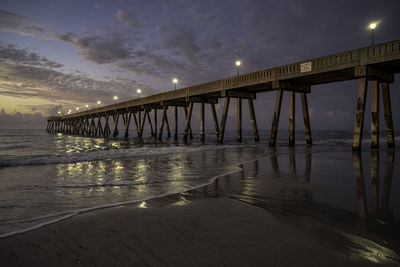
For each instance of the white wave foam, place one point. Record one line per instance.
(69, 214)
(109, 154)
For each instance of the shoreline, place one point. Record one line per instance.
(218, 231)
(258, 213)
(186, 230)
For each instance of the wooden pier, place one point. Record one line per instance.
(376, 64)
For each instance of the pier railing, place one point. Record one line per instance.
(377, 63)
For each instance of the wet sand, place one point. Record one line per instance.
(275, 212)
(205, 232)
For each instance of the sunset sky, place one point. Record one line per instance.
(57, 55)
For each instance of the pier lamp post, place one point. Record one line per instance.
(115, 99)
(69, 111)
(238, 63)
(98, 104)
(372, 27)
(138, 91)
(77, 109)
(86, 106)
(175, 81)
(59, 113)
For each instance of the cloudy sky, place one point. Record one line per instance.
(60, 54)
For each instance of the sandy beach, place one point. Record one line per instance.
(205, 232)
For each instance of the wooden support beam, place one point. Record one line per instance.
(164, 114)
(143, 122)
(127, 121)
(136, 123)
(253, 120)
(77, 126)
(155, 123)
(85, 124)
(190, 127)
(92, 126)
(275, 120)
(175, 103)
(188, 119)
(306, 117)
(223, 120)
(373, 73)
(167, 124)
(139, 123)
(292, 118)
(214, 114)
(238, 94)
(116, 119)
(375, 114)
(239, 119)
(387, 108)
(202, 135)
(107, 130)
(150, 124)
(176, 123)
(289, 86)
(201, 99)
(99, 127)
(359, 123)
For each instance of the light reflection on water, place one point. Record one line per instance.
(328, 184)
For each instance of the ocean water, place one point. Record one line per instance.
(45, 178)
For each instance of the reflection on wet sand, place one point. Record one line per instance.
(285, 183)
(382, 211)
(282, 188)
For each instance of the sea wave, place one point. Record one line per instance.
(107, 154)
(48, 219)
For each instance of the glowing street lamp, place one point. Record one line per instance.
(69, 111)
(59, 112)
(238, 63)
(115, 99)
(77, 108)
(175, 81)
(86, 106)
(372, 27)
(138, 91)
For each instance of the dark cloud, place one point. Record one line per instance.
(66, 37)
(9, 53)
(127, 17)
(181, 41)
(20, 24)
(36, 79)
(146, 63)
(98, 49)
(29, 81)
